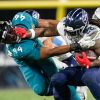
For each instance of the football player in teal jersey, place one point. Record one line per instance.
(32, 58)
(28, 56)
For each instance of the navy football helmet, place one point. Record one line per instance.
(76, 22)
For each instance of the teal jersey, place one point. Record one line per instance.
(24, 48)
(28, 51)
(24, 20)
(37, 73)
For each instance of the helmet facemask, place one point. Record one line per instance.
(75, 35)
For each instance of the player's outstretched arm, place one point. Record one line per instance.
(47, 52)
(45, 28)
(50, 27)
(47, 23)
(35, 33)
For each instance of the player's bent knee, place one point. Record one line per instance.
(87, 78)
(58, 79)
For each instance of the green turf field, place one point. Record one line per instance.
(25, 94)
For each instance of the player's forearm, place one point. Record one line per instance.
(47, 52)
(47, 23)
(45, 32)
(59, 50)
(95, 63)
(50, 27)
(38, 32)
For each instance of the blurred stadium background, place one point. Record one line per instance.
(12, 84)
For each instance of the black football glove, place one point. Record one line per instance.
(75, 47)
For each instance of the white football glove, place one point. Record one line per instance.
(86, 42)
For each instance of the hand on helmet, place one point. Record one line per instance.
(21, 32)
(84, 61)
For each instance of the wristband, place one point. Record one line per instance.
(33, 34)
